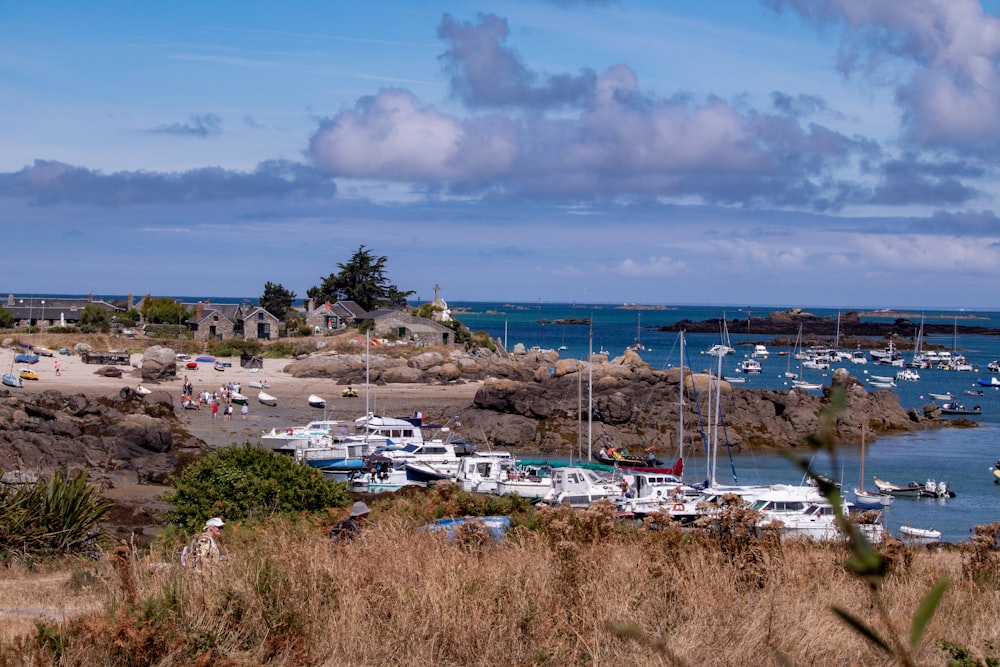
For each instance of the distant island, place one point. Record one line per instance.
(853, 330)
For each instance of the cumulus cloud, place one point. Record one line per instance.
(198, 125)
(942, 55)
(486, 73)
(48, 182)
(392, 136)
(583, 137)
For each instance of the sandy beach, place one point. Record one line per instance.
(439, 403)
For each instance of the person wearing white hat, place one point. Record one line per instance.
(350, 528)
(203, 549)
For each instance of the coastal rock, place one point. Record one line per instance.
(51, 431)
(159, 363)
(637, 407)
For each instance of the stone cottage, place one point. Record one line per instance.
(397, 324)
(328, 318)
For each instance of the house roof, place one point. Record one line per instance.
(51, 308)
(412, 322)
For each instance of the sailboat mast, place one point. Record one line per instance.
(590, 394)
(718, 409)
(862, 456)
(680, 426)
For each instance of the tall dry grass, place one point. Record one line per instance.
(580, 589)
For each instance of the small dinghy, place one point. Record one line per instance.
(267, 399)
(239, 399)
(12, 380)
(219, 366)
(143, 391)
(316, 401)
(259, 384)
(920, 533)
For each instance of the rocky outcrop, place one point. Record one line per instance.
(126, 437)
(637, 407)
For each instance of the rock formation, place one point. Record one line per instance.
(125, 438)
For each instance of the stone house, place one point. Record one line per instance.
(397, 324)
(327, 318)
(227, 320)
(254, 322)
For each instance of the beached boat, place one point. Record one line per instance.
(267, 399)
(316, 401)
(238, 398)
(143, 391)
(11, 380)
(26, 358)
(908, 532)
(219, 366)
(259, 384)
(27, 374)
(45, 352)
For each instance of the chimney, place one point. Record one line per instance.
(90, 297)
(131, 303)
(197, 315)
(312, 306)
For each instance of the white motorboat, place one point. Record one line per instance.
(943, 397)
(749, 367)
(803, 512)
(580, 487)
(760, 352)
(267, 399)
(908, 375)
(316, 401)
(920, 534)
(501, 476)
(259, 384)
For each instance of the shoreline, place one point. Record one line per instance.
(439, 403)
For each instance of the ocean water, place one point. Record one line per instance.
(961, 457)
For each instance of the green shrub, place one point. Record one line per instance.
(57, 516)
(248, 482)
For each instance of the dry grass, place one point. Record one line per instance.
(579, 590)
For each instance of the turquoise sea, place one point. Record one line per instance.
(961, 457)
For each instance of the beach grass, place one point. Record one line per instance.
(566, 587)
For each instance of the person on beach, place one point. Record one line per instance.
(58, 368)
(203, 549)
(244, 410)
(215, 408)
(350, 528)
(227, 414)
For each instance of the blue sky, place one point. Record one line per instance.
(785, 152)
